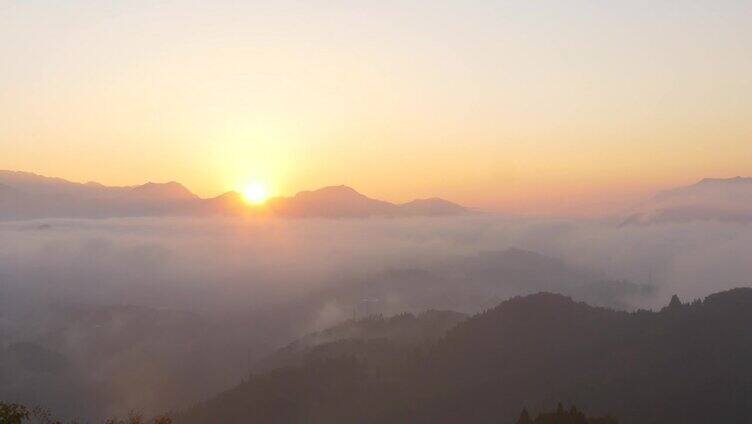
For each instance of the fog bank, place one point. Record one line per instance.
(98, 317)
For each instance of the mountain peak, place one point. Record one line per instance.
(338, 188)
(344, 201)
(331, 191)
(710, 199)
(432, 206)
(331, 202)
(168, 191)
(23, 179)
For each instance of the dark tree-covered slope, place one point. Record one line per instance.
(402, 331)
(688, 363)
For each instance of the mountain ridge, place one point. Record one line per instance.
(36, 196)
(529, 351)
(710, 199)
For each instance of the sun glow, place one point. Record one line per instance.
(255, 193)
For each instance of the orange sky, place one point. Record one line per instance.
(530, 108)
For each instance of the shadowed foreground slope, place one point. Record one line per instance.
(686, 363)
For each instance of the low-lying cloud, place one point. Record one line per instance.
(181, 299)
(206, 262)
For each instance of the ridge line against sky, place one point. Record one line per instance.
(188, 189)
(645, 210)
(582, 107)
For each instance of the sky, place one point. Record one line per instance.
(529, 107)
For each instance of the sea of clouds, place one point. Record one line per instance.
(226, 263)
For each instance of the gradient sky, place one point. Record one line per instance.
(523, 106)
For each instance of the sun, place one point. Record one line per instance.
(255, 193)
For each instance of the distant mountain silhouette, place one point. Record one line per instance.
(230, 204)
(688, 363)
(343, 201)
(35, 196)
(433, 206)
(29, 196)
(473, 282)
(333, 202)
(166, 191)
(717, 199)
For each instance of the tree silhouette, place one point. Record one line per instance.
(573, 416)
(12, 413)
(675, 302)
(524, 417)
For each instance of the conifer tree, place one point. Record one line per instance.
(524, 417)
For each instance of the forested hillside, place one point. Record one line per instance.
(687, 363)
